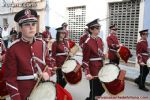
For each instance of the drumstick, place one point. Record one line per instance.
(39, 79)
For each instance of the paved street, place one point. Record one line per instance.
(81, 91)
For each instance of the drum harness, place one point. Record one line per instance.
(33, 61)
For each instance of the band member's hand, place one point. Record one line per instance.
(89, 77)
(142, 63)
(70, 54)
(55, 68)
(45, 76)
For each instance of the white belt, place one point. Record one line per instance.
(28, 77)
(144, 54)
(60, 54)
(113, 50)
(95, 59)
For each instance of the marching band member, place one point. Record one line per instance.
(113, 46)
(46, 35)
(142, 56)
(60, 49)
(26, 58)
(93, 59)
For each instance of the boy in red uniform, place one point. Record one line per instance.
(93, 59)
(142, 56)
(26, 58)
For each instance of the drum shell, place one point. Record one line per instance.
(117, 85)
(74, 76)
(124, 53)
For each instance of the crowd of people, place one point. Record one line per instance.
(25, 59)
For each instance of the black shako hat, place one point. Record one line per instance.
(93, 23)
(60, 29)
(113, 27)
(143, 31)
(26, 15)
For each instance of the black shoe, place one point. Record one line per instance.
(87, 98)
(144, 89)
(136, 81)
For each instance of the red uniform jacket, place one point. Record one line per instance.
(142, 51)
(19, 63)
(46, 35)
(60, 52)
(113, 45)
(93, 55)
(83, 39)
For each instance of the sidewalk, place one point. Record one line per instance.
(133, 72)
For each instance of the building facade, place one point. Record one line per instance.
(130, 16)
(8, 9)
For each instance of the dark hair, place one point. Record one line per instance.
(57, 36)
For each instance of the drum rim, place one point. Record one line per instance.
(117, 73)
(70, 68)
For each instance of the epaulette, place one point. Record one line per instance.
(14, 42)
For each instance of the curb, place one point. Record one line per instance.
(132, 80)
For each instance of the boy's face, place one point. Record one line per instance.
(28, 29)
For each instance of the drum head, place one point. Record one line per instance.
(108, 73)
(148, 62)
(45, 91)
(69, 66)
(78, 57)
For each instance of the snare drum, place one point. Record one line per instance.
(124, 53)
(148, 62)
(113, 78)
(44, 91)
(72, 71)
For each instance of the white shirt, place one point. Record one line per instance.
(5, 34)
